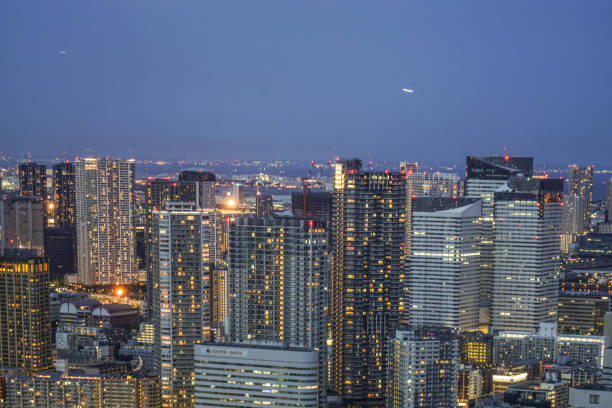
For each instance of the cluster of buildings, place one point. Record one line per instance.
(396, 289)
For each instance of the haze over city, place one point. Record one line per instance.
(274, 79)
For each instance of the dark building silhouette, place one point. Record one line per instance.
(60, 246)
(263, 205)
(312, 204)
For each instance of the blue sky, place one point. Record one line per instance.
(302, 80)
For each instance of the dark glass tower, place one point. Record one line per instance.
(64, 194)
(367, 277)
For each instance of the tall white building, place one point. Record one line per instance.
(244, 375)
(276, 282)
(445, 263)
(483, 176)
(182, 257)
(104, 220)
(423, 369)
(527, 215)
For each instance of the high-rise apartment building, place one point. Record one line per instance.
(367, 277)
(64, 191)
(445, 263)
(205, 185)
(182, 259)
(33, 180)
(158, 192)
(104, 220)
(423, 368)
(276, 283)
(264, 204)
(22, 223)
(255, 375)
(25, 322)
(527, 219)
(483, 176)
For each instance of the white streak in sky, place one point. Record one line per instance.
(406, 90)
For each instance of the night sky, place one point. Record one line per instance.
(308, 79)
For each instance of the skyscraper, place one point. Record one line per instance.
(367, 266)
(64, 194)
(205, 184)
(33, 180)
(182, 259)
(577, 204)
(580, 183)
(483, 176)
(104, 217)
(158, 192)
(445, 263)
(423, 368)
(22, 223)
(25, 322)
(527, 218)
(276, 283)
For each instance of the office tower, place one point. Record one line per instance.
(205, 184)
(22, 223)
(64, 194)
(423, 368)
(158, 192)
(483, 176)
(526, 253)
(367, 277)
(263, 205)
(104, 217)
(76, 390)
(276, 282)
(249, 375)
(60, 251)
(25, 323)
(182, 259)
(445, 263)
(536, 394)
(312, 204)
(33, 180)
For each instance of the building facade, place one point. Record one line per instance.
(33, 180)
(182, 258)
(104, 218)
(205, 183)
(445, 263)
(243, 375)
(526, 253)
